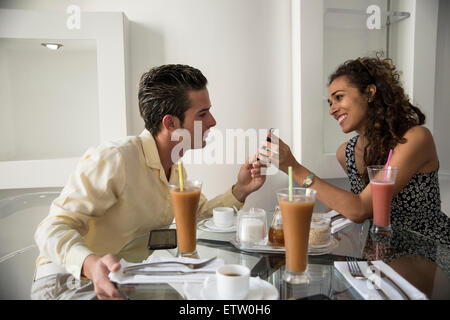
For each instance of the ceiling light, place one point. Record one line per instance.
(52, 46)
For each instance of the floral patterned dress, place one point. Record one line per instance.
(417, 207)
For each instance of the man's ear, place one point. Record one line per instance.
(170, 122)
(371, 90)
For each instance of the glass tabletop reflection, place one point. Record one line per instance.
(421, 261)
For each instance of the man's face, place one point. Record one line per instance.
(199, 110)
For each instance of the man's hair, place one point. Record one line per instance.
(164, 90)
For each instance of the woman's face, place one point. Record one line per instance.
(347, 105)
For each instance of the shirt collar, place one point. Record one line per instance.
(150, 150)
(151, 155)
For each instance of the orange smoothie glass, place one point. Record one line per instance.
(382, 181)
(185, 206)
(296, 217)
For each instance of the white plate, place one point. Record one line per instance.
(259, 290)
(208, 225)
(333, 244)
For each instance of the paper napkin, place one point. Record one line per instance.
(123, 278)
(366, 289)
(339, 224)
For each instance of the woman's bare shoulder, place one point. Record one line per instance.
(340, 155)
(420, 146)
(419, 136)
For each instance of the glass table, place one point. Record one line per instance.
(421, 261)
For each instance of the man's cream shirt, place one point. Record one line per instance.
(116, 196)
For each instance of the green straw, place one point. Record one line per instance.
(290, 183)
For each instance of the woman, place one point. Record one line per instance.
(365, 96)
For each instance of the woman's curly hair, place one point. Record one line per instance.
(389, 113)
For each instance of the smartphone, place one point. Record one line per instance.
(268, 139)
(162, 239)
(271, 130)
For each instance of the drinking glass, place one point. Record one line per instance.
(382, 180)
(185, 206)
(296, 212)
(252, 227)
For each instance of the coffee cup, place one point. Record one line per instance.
(233, 281)
(223, 217)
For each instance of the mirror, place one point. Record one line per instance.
(48, 99)
(54, 105)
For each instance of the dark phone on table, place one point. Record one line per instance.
(162, 239)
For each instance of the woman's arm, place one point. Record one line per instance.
(356, 207)
(418, 154)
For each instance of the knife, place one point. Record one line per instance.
(390, 281)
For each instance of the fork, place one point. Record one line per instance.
(356, 273)
(190, 265)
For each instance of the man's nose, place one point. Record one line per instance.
(212, 122)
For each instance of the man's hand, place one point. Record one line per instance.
(249, 179)
(97, 269)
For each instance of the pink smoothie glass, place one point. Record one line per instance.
(382, 180)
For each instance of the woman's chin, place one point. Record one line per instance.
(346, 130)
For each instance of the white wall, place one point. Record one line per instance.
(346, 36)
(414, 52)
(442, 93)
(442, 102)
(402, 43)
(426, 25)
(243, 48)
(6, 113)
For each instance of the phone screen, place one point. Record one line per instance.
(162, 239)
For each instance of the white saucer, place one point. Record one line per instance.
(208, 225)
(193, 290)
(209, 291)
(258, 290)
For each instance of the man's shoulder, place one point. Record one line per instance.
(124, 146)
(121, 144)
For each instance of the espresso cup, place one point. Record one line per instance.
(223, 217)
(233, 281)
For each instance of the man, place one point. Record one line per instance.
(119, 191)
